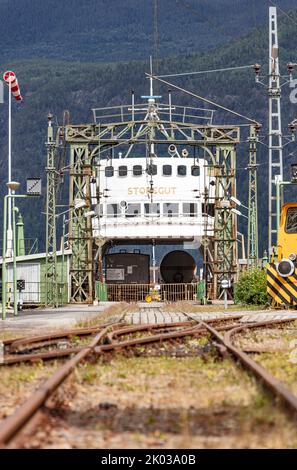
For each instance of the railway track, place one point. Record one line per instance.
(120, 336)
(226, 341)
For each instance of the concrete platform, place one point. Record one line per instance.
(48, 319)
(154, 315)
(41, 320)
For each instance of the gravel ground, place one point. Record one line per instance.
(277, 351)
(19, 381)
(165, 402)
(157, 397)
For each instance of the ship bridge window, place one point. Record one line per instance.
(112, 210)
(182, 170)
(151, 169)
(133, 210)
(195, 170)
(137, 170)
(109, 171)
(291, 220)
(189, 209)
(152, 209)
(170, 209)
(123, 170)
(167, 170)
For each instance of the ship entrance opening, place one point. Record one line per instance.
(178, 267)
(131, 274)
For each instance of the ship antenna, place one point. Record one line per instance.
(151, 77)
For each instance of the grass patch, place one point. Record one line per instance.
(183, 403)
(109, 314)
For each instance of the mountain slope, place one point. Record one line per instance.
(49, 85)
(115, 30)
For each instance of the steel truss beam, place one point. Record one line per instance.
(136, 132)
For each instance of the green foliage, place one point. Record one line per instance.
(251, 288)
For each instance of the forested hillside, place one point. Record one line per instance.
(116, 30)
(55, 85)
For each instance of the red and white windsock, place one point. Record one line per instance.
(9, 77)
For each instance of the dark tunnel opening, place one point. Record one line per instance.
(177, 267)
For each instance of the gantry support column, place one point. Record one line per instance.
(80, 227)
(51, 286)
(225, 264)
(275, 142)
(252, 248)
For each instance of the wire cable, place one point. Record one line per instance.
(206, 71)
(235, 113)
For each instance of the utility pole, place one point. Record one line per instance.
(275, 142)
(51, 241)
(252, 248)
(275, 135)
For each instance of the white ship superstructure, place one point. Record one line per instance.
(151, 191)
(159, 198)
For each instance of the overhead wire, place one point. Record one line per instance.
(194, 95)
(206, 71)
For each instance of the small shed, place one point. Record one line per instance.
(31, 277)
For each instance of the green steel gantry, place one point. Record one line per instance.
(252, 244)
(80, 227)
(51, 241)
(87, 142)
(225, 257)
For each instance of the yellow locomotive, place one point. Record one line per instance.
(282, 271)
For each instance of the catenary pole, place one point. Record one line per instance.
(9, 213)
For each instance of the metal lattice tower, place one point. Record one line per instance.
(275, 128)
(51, 241)
(80, 227)
(252, 244)
(225, 224)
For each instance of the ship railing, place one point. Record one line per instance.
(139, 292)
(178, 219)
(138, 112)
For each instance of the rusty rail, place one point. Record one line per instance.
(60, 353)
(14, 344)
(274, 385)
(14, 423)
